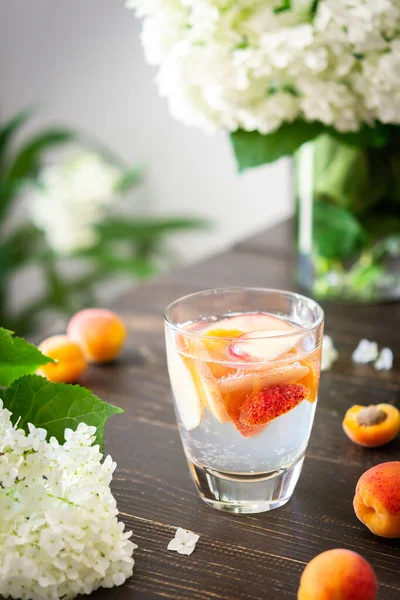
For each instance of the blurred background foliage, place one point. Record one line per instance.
(111, 244)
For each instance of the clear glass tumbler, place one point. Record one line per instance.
(244, 365)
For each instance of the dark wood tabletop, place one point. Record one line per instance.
(241, 557)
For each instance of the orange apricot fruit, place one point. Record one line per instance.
(338, 574)
(373, 425)
(100, 333)
(70, 361)
(377, 499)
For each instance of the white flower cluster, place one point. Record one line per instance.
(255, 64)
(59, 533)
(71, 198)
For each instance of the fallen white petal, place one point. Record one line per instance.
(365, 352)
(184, 541)
(385, 360)
(181, 533)
(329, 353)
(186, 550)
(192, 539)
(175, 544)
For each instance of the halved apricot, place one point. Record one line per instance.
(373, 425)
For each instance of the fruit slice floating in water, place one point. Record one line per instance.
(247, 431)
(266, 405)
(311, 379)
(265, 345)
(258, 380)
(252, 322)
(217, 345)
(185, 392)
(207, 388)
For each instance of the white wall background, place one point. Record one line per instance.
(81, 63)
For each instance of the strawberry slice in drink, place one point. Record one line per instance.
(263, 406)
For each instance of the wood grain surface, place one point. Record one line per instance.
(240, 557)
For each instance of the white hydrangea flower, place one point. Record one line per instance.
(329, 353)
(59, 532)
(384, 361)
(365, 352)
(184, 541)
(221, 63)
(71, 198)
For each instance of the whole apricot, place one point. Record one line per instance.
(373, 425)
(100, 333)
(70, 361)
(377, 499)
(338, 575)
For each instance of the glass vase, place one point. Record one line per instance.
(348, 220)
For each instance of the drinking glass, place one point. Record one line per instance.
(244, 366)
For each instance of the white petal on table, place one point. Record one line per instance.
(184, 541)
(175, 544)
(365, 352)
(329, 353)
(385, 360)
(186, 550)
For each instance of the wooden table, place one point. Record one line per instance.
(240, 557)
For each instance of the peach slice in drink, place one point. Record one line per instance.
(202, 376)
(187, 398)
(265, 345)
(254, 381)
(311, 379)
(207, 388)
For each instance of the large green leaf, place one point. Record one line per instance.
(377, 136)
(337, 233)
(18, 357)
(56, 406)
(253, 149)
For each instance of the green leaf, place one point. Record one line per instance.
(56, 406)
(11, 127)
(139, 229)
(253, 149)
(286, 5)
(377, 136)
(129, 179)
(337, 233)
(27, 161)
(18, 357)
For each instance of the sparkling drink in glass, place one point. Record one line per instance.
(244, 365)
